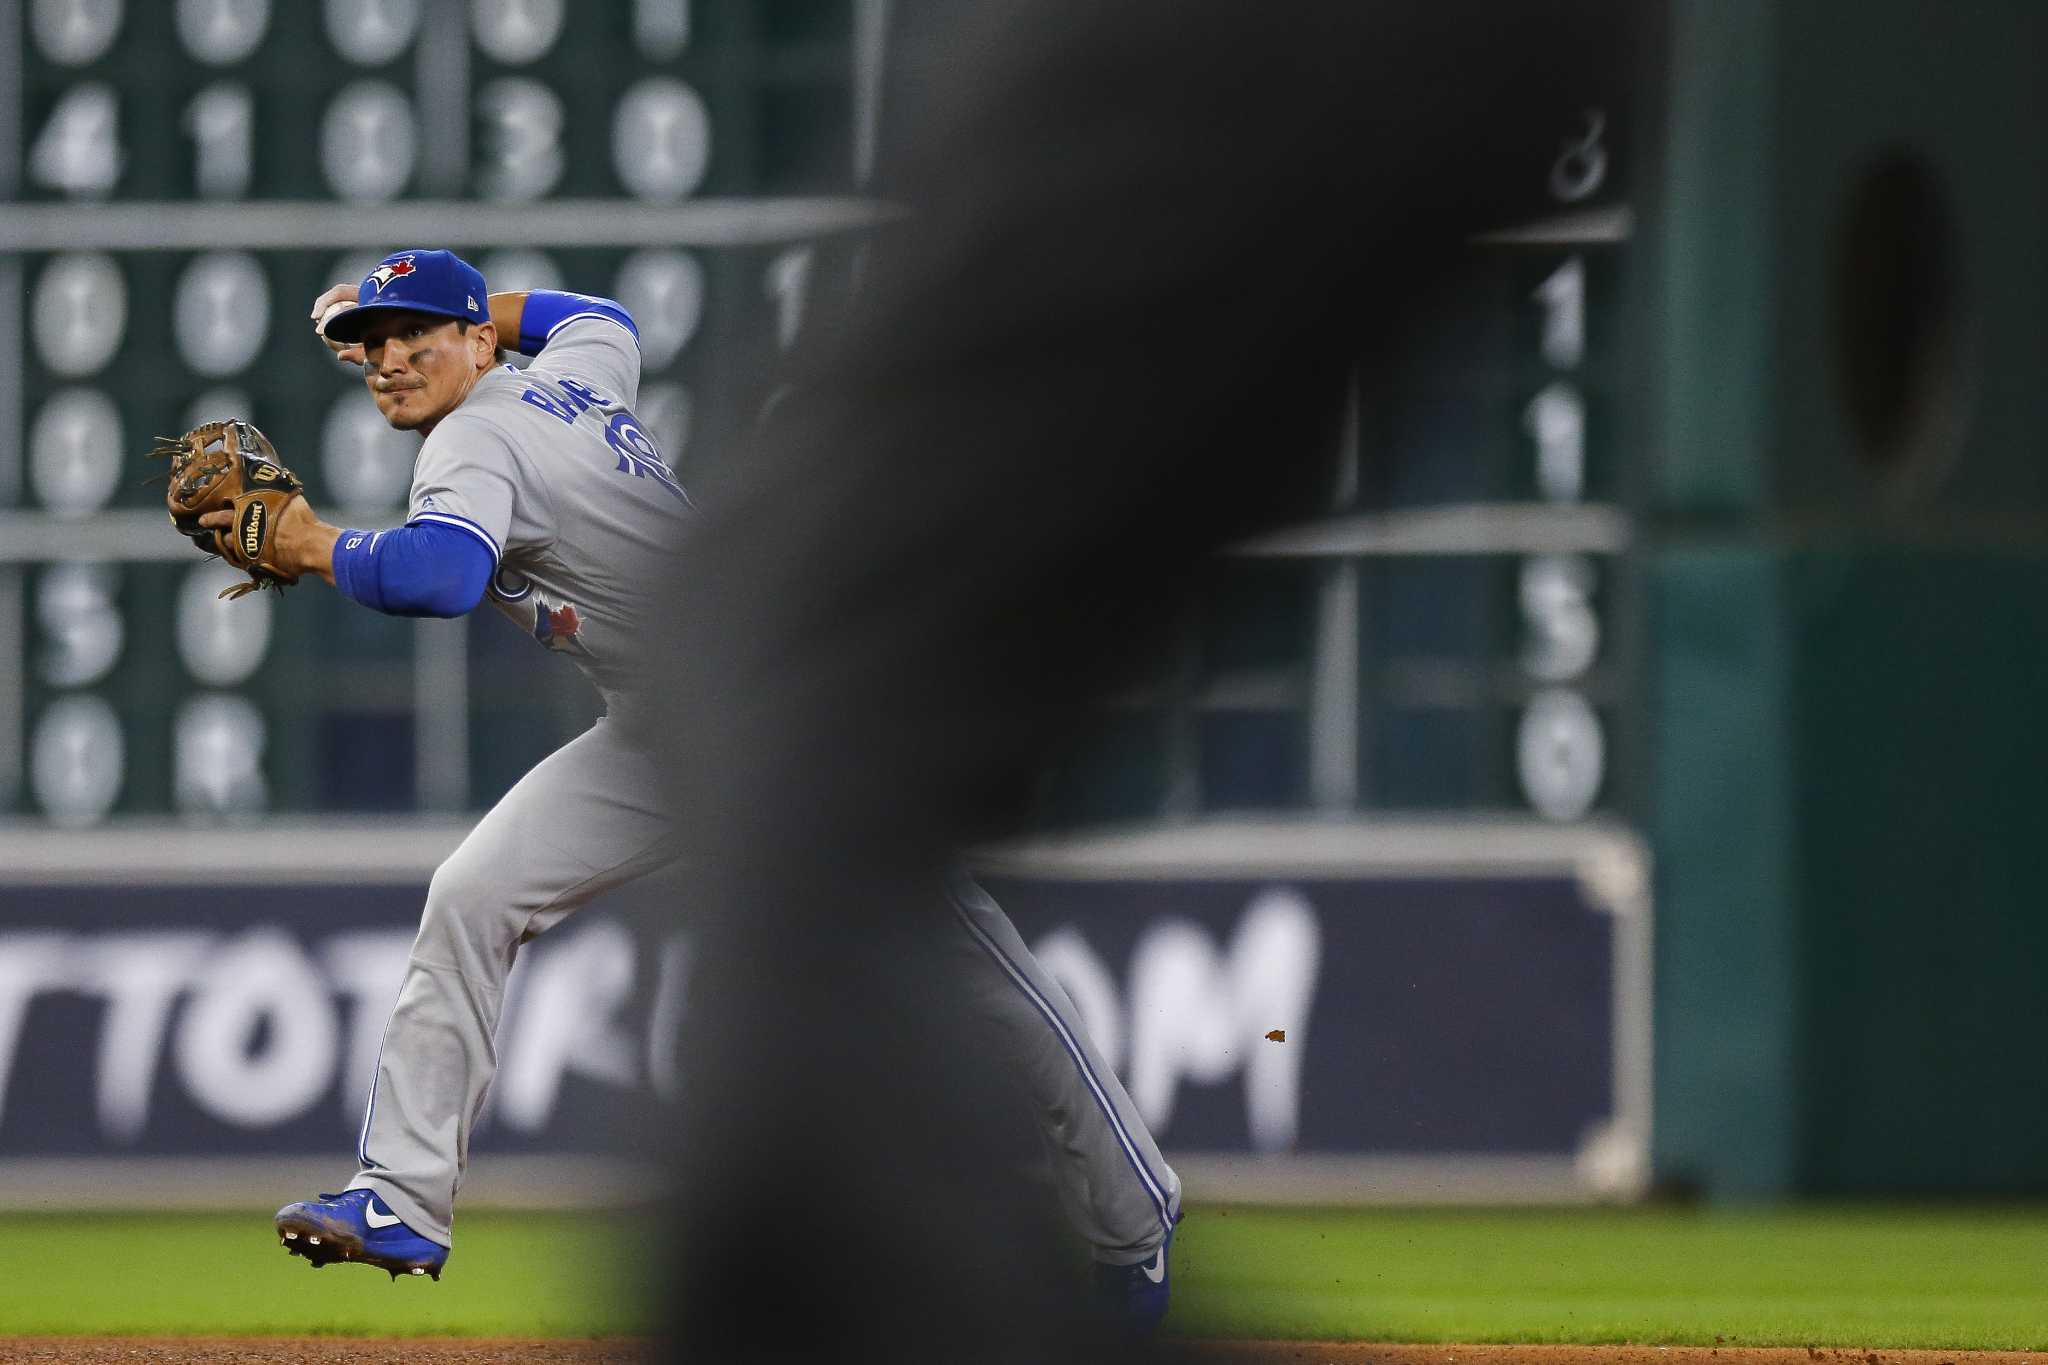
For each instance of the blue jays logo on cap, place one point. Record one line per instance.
(439, 283)
(393, 269)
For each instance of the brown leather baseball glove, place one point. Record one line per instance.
(231, 465)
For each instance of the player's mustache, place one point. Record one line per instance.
(398, 385)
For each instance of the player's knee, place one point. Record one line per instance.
(459, 902)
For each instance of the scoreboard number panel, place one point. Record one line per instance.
(1538, 388)
(1452, 639)
(125, 688)
(1560, 740)
(228, 342)
(1458, 627)
(1560, 744)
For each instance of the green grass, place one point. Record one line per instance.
(1873, 1277)
(1864, 1277)
(512, 1275)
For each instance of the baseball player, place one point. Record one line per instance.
(539, 490)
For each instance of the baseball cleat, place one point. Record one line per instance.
(1133, 1297)
(355, 1226)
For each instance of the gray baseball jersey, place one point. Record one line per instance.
(550, 469)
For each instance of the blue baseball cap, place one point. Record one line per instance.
(437, 282)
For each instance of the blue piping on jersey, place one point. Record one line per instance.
(1153, 1185)
(626, 323)
(464, 523)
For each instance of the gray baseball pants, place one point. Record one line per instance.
(584, 821)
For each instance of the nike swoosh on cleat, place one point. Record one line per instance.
(1156, 1272)
(379, 1220)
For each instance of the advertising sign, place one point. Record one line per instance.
(1328, 1008)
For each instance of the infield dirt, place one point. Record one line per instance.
(337, 1350)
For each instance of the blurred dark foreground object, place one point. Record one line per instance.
(1146, 241)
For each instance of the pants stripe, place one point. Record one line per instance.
(1066, 1037)
(370, 1110)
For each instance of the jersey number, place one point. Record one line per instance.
(622, 430)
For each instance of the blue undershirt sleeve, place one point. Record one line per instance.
(426, 569)
(547, 309)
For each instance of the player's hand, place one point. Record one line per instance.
(332, 300)
(302, 542)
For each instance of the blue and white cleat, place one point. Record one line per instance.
(1133, 1298)
(355, 1226)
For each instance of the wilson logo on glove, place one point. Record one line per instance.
(252, 530)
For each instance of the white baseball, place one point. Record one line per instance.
(338, 306)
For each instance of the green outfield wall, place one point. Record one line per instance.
(1847, 568)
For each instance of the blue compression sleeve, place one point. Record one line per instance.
(547, 309)
(424, 570)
